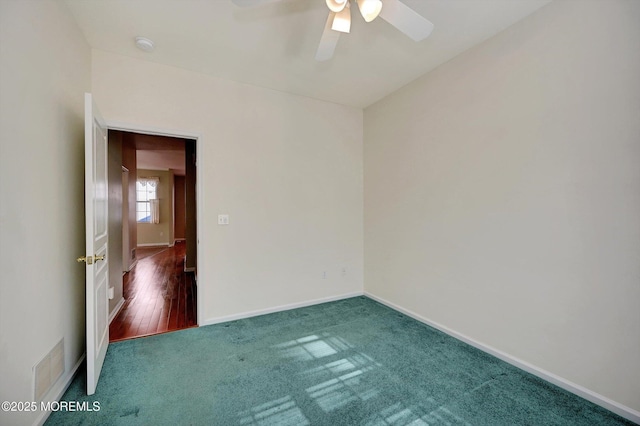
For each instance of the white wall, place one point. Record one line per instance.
(45, 68)
(502, 195)
(287, 169)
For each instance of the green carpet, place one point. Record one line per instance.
(351, 362)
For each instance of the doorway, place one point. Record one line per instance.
(155, 289)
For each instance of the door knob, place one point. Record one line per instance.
(96, 257)
(86, 259)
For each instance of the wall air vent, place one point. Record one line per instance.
(48, 371)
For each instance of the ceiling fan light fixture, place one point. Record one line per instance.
(369, 9)
(342, 20)
(337, 5)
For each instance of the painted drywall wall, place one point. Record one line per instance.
(286, 169)
(46, 67)
(171, 207)
(191, 225)
(179, 206)
(502, 195)
(115, 254)
(129, 160)
(150, 234)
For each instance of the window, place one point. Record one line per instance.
(147, 200)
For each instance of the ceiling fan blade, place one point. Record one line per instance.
(406, 19)
(328, 41)
(251, 3)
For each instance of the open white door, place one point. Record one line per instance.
(96, 210)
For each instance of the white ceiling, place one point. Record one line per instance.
(274, 45)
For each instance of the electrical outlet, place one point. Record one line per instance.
(223, 219)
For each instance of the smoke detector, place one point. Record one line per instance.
(145, 44)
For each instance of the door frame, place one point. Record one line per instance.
(157, 131)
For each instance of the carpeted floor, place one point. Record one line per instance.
(351, 362)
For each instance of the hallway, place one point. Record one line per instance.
(159, 295)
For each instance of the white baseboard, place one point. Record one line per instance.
(154, 245)
(589, 395)
(116, 310)
(189, 269)
(133, 264)
(280, 308)
(58, 390)
(130, 267)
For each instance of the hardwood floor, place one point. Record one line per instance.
(159, 295)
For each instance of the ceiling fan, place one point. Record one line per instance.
(394, 12)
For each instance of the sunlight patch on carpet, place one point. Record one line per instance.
(282, 411)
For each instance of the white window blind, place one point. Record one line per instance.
(147, 203)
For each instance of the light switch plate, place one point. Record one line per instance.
(223, 219)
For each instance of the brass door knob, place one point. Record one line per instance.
(86, 259)
(96, 257)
